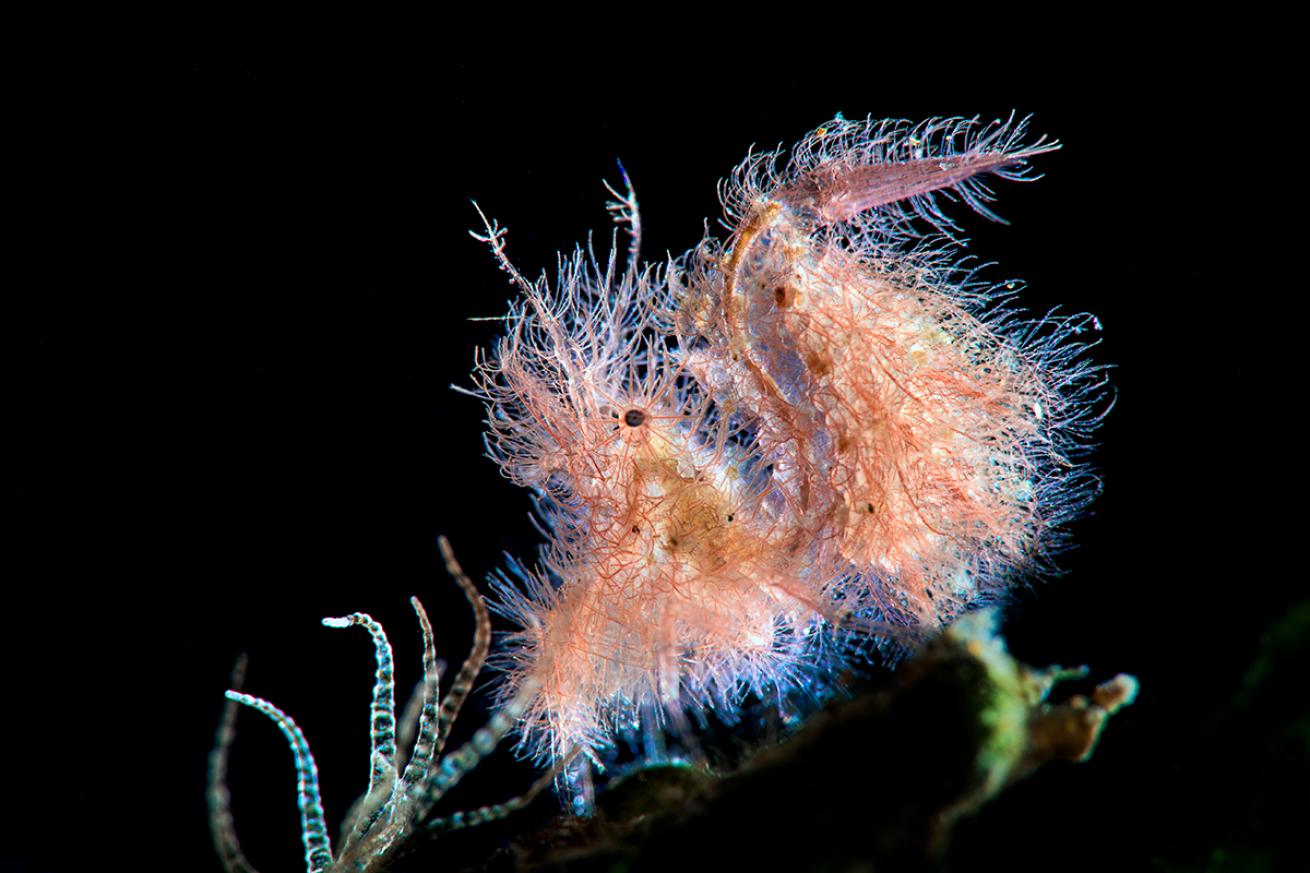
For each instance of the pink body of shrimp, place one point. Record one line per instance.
(813, 427)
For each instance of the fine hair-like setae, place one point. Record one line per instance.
(755, 461)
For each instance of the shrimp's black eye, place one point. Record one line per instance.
(634, 417)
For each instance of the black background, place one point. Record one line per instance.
(249, 290)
